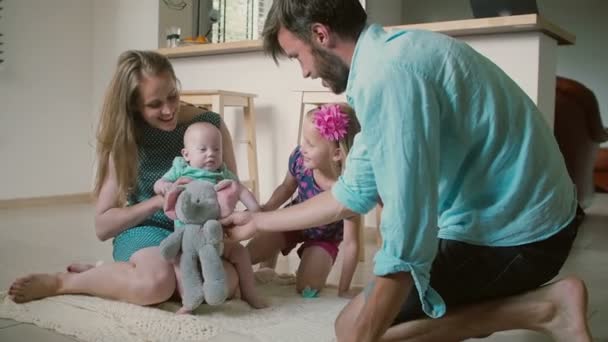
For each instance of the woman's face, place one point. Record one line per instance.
(159, 101)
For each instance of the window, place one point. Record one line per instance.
(239, 19)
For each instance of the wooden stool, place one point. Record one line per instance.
(317, 98)
(217, 101)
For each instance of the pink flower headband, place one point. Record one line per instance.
(331, 122)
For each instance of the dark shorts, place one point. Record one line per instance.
(293, 238)
(466, 274)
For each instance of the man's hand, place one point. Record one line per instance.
(239, 225)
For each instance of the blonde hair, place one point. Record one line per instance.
(117, 131)
(346, 143)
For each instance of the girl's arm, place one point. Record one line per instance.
(350, 248)
(110, 218)
(282, 193)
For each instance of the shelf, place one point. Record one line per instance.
(456, 28)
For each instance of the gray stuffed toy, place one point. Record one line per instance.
(198, 205)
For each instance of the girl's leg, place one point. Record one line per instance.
(315, 265)
(265, 246)
(146, 279)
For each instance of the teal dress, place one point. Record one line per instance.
(157, 149)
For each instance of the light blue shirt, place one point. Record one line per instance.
(455, 150)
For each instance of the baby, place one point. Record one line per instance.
(202, 159)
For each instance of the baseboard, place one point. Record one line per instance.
(14, 203)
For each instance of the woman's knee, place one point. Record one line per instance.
(156, 280)
(155, 286)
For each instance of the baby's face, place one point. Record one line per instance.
(203, 147)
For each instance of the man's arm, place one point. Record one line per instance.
(382, 305)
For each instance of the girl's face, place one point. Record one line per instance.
(159, 101)
(318, 152)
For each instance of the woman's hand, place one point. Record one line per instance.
(239, 225)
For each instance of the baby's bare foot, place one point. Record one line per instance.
(183, 311)
(569, 322)
(256, 302)
(34, 286)
(79, 268)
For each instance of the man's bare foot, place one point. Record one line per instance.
(78, 267)
(569, 320)
(35, 286)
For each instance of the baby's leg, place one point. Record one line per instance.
(315, 265)
(238, 255)
(265, 246)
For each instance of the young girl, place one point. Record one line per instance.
(328, 133)
(140, 131)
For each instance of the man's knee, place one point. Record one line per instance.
(342, 324)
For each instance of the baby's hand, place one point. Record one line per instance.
(165, 188)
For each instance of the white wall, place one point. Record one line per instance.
(45, 97)
(585, 61)
(119, 25)
(385, 12)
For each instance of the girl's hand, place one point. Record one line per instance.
(239, 226)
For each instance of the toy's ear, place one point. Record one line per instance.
(171, 201)
(227, 196)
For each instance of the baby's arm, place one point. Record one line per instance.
(162, 186)
(350, 248)
(248, 199)
(282, 193)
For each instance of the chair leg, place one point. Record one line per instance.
(249, 118)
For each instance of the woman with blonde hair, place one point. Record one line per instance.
(140, 131)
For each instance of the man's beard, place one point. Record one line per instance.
(331, 69)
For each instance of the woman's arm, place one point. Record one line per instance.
(282, 193)
(110, 218)
(350, 248)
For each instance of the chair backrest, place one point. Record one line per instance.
(577, 94)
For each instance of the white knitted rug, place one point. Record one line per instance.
(289, 318)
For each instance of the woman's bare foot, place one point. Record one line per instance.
(78, 267)
(569, 320)
(35, 286)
